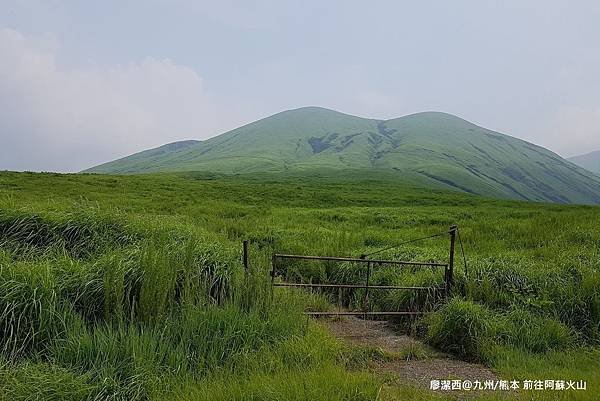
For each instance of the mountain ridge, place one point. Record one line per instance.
(433, 149)
(589, 161)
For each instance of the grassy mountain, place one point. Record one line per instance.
(589, 161)
(430, 149)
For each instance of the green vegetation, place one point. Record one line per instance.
(132, 287)
(589, 161)
(433, 150)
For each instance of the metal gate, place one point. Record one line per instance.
(278, 261)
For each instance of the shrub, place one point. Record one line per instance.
(463, 328)
(525, 330)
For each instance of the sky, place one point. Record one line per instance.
(82, 82)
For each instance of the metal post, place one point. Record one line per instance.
(273, 268)
(273, 273)
(450, 273)
(245, 246)
(366, 301)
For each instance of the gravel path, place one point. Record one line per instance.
(418, 371)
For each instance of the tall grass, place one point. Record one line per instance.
(136, 316)
(138, 291)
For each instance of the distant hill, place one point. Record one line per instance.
(589, 161)
(430, 149)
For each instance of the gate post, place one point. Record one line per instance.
(245, 257)
(366, 300)
(273, 273)
(450, 271)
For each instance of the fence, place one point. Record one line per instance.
(279, 259)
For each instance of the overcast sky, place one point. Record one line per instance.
(85, 82)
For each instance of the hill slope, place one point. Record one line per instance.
(430, 149)
(589, 161)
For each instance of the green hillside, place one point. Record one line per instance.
(430, 149)
(589, 161)
(132, 287)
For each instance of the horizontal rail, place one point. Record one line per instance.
(358, 260)
(362, 313)
(376, 287)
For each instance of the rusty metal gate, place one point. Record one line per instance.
(278, 261)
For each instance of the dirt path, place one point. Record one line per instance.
(413, 362)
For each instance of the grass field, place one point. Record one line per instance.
(132, 287)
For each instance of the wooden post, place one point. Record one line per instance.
(245, 246)
(450, 273)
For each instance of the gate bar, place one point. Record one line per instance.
(358, 260)
(362, 313)
(376, 287)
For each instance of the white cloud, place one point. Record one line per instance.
(66, 119)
